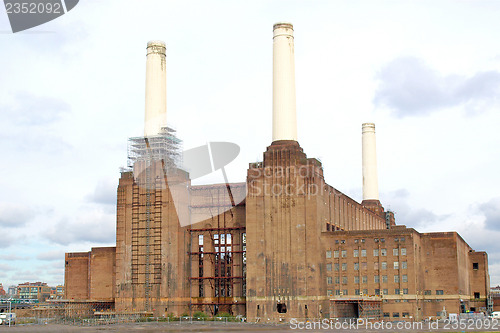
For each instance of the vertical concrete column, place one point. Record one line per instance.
(284, 109)
(370, 178)
(156, 88)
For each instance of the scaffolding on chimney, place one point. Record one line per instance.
(164, 146)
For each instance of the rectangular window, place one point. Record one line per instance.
(405, 291)
(386, 315)
(396, 291)
(356, 279)
(427, 292)
(364, 266)
(337, 292)
(356, 291)
(363, 253)
(200, 240)
(356, 253)
(336, 267)
(475, 266)
(384, 278)
(396, 265)
(328, 254)
(384, 264)
(329, 267)
(383, 252)
(375, 252)
(396, 278)
(477, 295)
(336, 253)
(329, 280)
(329, 292)
(344, 280)
(364, 279)
(404, 265)
(344, 253)
(344, 266)
(344, 292)
(356, 241)
(439, 292)
(405, 315)
(395, 315)
(386, 291)
(375, 265)
(365, 291)
(356, 266)
(395, 252)
(403, 249)
(337, 280)
(377, 291)
(404, 278)
(376, 279)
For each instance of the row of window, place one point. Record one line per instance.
(359, 292)
(396, 315)
(364, 279)
(364, 266)
(376, 240)
(376, 252)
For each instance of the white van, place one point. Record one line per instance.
(495, 315)
(7, 317)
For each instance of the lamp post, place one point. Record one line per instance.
(10, 312)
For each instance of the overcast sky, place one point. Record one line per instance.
(72, 92)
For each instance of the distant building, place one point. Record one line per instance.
(12, 291)
(36, 290)
(2, 291)
(495, 298)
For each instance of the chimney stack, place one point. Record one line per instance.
(370, 179)
(284, 111)
(156, 88)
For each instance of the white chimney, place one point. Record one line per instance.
(370, 179)
(156, 88)
(284, 113)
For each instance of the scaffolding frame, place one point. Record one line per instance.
(357, 308)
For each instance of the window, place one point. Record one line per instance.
(329, 292)
(439, 292)
(403, 250)
(377, 291)
(336, 241)
(337, 292)
(402, 239)
(387, 314)
(329, 267)
(404, 265)
(477, 295)
(281, 307)
(396, 265)
(364, 279)
(336, 267)
(395, 252)
(386, 291)
(395, 315)
(405, 314)
(475, 266)
(344, 253)
(336, 253)
(383, 252)
(200, 240)
(375, 265)
(427, 292)
(364, 266)
(328, 253)
(356, 266)
(344, 266)
(404, 278)
(337, 280)
(356, 253)
(384, 278)
(375, 252)
(362, 240)
(342, 241)
(396, 291)
(329, 280)
(344, 280)
(376, 240)
(396, 278)
(365, 291)
(405, 291)
(356, 291)
(363, 253)
(344, 292)
(356, 279)
(356, 241)
(396, 239)
(376, 279)
(382, 240)
(384, 264)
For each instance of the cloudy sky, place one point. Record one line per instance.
(72, 92)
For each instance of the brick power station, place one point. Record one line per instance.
(283, 244)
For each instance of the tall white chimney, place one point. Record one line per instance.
(156, 88)
(284, 111)
(370, 179)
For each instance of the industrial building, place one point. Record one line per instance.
(281, 245)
